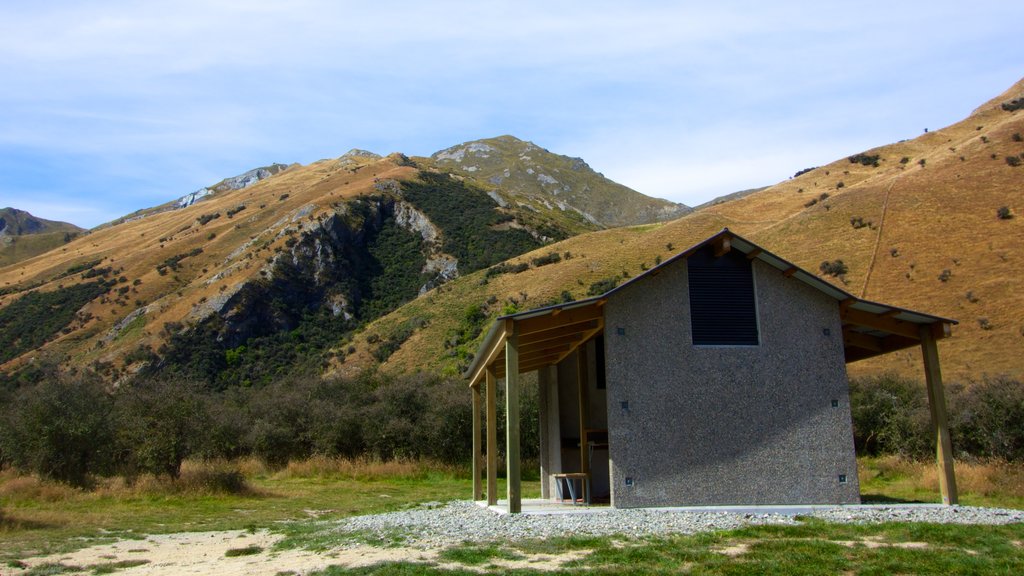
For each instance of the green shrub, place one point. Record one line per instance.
(61, 429)
(206, 218)
(32, 320)
(506, 268)
(890, 416)
(602, 286)
(1004, 213)
(552, 258)
(865, 159)
(987, 419)
(1013, 105)
(467, 218)
(1013, 161)
(159, 423)
(833, 268)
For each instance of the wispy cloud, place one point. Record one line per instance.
(124, 104)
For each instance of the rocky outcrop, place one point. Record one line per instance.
(329, 267)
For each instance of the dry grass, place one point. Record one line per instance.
(364, 468)
(941, 216)
(987, 483)
(204, 477)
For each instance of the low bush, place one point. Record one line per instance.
(1013, 105)
(602, 286)
(1004, 213)
(865, 159)
(833, 268)
(891, 416)
(552, 258)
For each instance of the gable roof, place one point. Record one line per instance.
(547, 335)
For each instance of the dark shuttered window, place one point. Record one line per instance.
(722, 309)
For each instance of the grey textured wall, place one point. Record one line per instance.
(727, 425)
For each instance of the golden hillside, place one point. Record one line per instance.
(291, 256)
(917, 227)
(234, 247)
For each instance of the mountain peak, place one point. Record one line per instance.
(532, 175)
(15, 222)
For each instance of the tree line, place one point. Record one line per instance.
(74, 428)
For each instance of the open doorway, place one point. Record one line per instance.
(574, 426)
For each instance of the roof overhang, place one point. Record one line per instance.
(546, 336)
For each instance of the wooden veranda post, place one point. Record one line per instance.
(940, 424)
(492, 437)
(512, 417)
(581, 383)
(477, 450)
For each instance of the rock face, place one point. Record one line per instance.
(249, 178)
(243, 180)
(335, 273)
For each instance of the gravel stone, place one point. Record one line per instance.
(435, 525)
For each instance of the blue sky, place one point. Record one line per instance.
(108, 107)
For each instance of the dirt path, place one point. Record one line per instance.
(206, 553)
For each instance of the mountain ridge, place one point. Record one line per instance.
(23, 235)
(309, 248)
(927, 224)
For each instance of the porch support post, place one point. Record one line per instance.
(940, 424)
(582, 382)
(512, 417)
(492, 437)
(545, 433)
(477, 449)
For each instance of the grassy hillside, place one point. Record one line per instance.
(930, 223)
(268, 272)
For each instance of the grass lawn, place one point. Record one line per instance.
(40, 517)
(816, 547)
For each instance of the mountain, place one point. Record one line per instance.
(243, 180)
(933, 223)
(272, 271)
(23, 235)
(524, 173)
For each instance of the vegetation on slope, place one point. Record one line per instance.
(36, 317)
(469, 221)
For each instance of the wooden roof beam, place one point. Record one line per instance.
(558, 333)
(861, 340)
(586, 336)
(544, 322)
(492, 355)
(544, 352)
(880, 322)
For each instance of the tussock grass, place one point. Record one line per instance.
(365, 468)
(980, 483)
(247, 551)
(197, 479)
